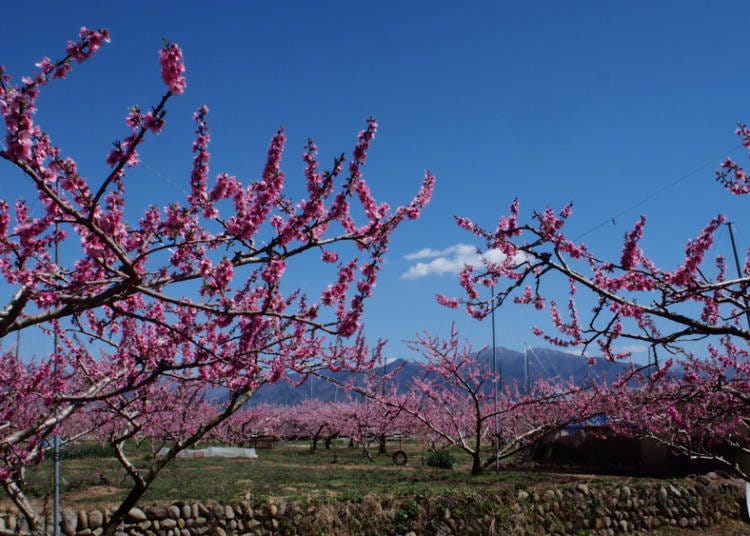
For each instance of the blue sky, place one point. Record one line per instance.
(622, 108)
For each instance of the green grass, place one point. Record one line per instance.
(289, 471)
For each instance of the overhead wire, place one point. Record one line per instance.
(654, 193)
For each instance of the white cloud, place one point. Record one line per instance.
(633, 348)
(428, 253)
(450, 260)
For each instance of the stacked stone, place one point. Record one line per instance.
(624, 509)
(582, 508)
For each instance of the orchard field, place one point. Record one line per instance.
(342, 474)
(289, 471)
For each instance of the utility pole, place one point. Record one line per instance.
(739, 271)
(56, 439)
(497, 384)
(527, 376)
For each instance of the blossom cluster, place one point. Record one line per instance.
(173, 68)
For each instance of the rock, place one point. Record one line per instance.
(273, 510)
(83, 520)
(522, 496)
(583, 488)
(68, 523)
(218, 531)
(240, 508)
(155, 512)
(145, 525)
(186, 511)
(84, 532)
(136, 515)
(173, 511)
(228, 512)
(168, 523)
(96, 519)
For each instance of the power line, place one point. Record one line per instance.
(658, 191)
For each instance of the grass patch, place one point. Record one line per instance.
(290, 471)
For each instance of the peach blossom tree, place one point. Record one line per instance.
(193, 293)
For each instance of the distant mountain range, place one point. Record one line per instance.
(543, 363)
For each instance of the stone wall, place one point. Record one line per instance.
(584, 508)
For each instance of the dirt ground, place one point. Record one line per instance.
(729, 528)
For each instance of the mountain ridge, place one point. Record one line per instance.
(544, 363)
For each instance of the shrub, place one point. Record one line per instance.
(87, 450)
(441, 459)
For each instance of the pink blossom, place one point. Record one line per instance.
(631, 253)
(273, 271)
(89, 42)
(329, 256)
(172, 68)
(451, 303)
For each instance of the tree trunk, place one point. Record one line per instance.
(476, 463)
(36, 526)
(381, 444)
(125, 506)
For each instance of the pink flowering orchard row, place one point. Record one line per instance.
(700, 413)
(452, 402)
(129, 338)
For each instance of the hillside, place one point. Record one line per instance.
(543, 363)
